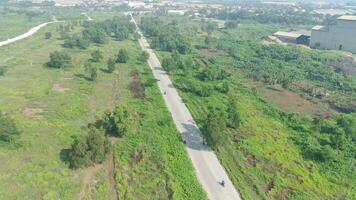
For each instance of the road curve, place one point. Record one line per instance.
(208, 168)
(25, 35)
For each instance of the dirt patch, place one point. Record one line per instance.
(59, 88)
(34, 113)
(136, 86)
(293, 102)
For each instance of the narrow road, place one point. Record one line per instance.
(208, 168)
(25, 35)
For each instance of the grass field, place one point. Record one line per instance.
(51, 106)
(14, 24)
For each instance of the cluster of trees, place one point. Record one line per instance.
(118, 28)
(76, 42)
(266, 14)
(8, 129)
(177, 62)
(59, 59)
(165, 36)
(331, 141)
(93, 147)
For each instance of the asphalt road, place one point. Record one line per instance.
(207, 167)
(25, 35)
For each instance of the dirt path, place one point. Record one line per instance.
(109, 163)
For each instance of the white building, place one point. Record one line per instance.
(341, 36)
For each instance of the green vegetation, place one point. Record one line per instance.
(89, 149)
(16, 21)
(8, 129)
(96, 56)
(53, 107)
(111, 65)
(59, 59)
(122, 56)
(269, 153)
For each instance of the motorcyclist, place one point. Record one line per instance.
(223, 183)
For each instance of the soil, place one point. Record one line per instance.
(59, 88)
(293, 102)
(34, 113)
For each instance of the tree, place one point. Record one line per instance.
(89, 149)
(143, 57)
(91, 71)
(233, 113)
(59, 59)
(48, 35)
(8, 129)
(117, 122)
(215, 125)
(79, 155)
(111, 65)
(122, 57)
(2, 70)
(98, 145)
(96, 56)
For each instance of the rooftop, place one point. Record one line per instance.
(287, 34)
(347, 17)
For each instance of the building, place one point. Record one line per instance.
(176, 12)
(293, 37)
(340, 36)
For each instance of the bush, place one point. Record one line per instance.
(143, 57)
(123, 56)
(59, 59)
(2, 71)
(8, 129)
(96, 56)
(111, 65)
(89, 149)
(48, 35)
(117, 123)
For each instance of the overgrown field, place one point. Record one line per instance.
(52, 106)
(15, 22)
(268, 152)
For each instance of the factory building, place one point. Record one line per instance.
(293, 37)
(341, 36)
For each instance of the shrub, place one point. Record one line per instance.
(8, 129)
(89, 149)
(122, 57)
(59, 59)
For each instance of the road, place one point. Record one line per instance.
(208, 168)
(25, 35)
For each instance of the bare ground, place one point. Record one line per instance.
(294, 102)
(59, 88)
(34, 113)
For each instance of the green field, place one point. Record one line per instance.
(51, 106)
(13, 24)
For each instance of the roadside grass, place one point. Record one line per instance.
(14, 24)
(151, 159)
(36, 167)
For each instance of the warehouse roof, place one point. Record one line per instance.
(287, 34)
(347, 17)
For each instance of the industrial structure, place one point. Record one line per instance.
(341, 36)
(293, 37)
